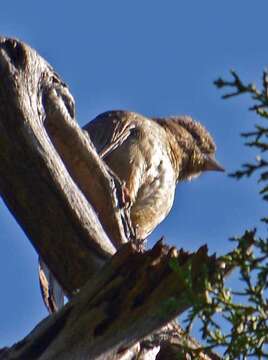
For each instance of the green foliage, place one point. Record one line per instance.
(244, 313)
(259, 136)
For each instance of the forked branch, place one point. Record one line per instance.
(49, 168)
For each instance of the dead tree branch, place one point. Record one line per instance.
(134, 294)
(71, 206)
(43, 196)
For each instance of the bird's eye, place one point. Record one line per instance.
(134, 132)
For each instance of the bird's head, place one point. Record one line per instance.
(193, 143)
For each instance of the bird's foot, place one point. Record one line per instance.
(140, 244)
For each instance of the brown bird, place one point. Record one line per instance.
(151, 156)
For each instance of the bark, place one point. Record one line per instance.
(47, 190)
(134, 294)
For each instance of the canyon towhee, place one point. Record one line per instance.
(151, 156)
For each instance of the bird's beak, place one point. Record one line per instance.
(211, 164)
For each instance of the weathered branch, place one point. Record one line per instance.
(54, 183)
(133, 295)
(34, 183)
(98, 183)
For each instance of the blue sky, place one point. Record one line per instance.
(157, 58)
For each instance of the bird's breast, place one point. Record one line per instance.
(155, 196)
(158, 183)
(143, 163)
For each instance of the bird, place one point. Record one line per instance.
(152, 156)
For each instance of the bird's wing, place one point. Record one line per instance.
(109, 130)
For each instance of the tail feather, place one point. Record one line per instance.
(52, 292)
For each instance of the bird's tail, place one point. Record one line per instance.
(52, 292)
